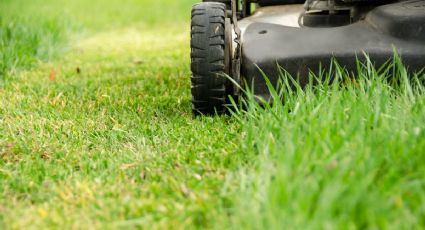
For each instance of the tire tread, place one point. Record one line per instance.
(207, 58)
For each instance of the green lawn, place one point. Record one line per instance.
(96, 132)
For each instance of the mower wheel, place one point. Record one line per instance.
(208, 64)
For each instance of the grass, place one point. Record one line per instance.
(24, 43)
(348, 155)
(97, 133)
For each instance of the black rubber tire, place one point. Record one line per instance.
(207, 59)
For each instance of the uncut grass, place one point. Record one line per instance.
(345, 155)
(24, 43)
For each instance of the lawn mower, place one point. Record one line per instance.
(238, 42)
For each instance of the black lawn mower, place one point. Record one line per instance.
(229, 38)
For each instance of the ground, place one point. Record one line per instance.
(96, 132)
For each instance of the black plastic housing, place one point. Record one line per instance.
(396, 27)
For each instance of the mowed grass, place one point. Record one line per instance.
(99, 134)
(103, 137)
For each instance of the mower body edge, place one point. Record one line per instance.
(398, 27)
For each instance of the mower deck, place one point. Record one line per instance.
(227, 40)
(272, 37)
(284, 15)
